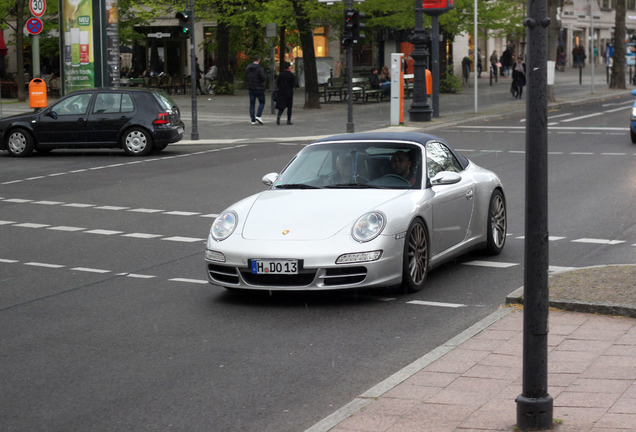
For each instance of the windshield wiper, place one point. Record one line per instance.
(353, 186)
(296, 186)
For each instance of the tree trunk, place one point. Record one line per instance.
(617, 80)
(223, 53)
(312, 97)
(553, 38)
(19, 42)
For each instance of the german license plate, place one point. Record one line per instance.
(275, 266)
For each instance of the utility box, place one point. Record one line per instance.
(37, 93)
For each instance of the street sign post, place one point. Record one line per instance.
(37, 7)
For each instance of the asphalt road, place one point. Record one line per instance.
(108, 323)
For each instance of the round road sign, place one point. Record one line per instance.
(37, 7)
(34, 25)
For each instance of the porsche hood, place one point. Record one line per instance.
(310, 214)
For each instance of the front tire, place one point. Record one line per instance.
(137, 142)
(415, 257)
(19, 143)
(497, 224)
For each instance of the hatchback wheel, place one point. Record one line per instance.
(415, 257)
(137, 142)
(497, 223)
(19, 143)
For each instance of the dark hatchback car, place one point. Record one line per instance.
(137, 121)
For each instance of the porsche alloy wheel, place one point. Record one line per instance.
(415, 259)
(497, 223)
(136, 142)
(19, 143)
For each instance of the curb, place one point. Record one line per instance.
(626, 310)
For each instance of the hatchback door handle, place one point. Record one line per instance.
(469, 194)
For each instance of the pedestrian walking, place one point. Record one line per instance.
(494, 59)
(285, 94)
(518, 78)
(199, 72)
(255, 78)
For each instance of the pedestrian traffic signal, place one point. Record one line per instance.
(184, 22)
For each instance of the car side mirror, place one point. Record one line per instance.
(52, 114)
(269, 179)
(445, 178)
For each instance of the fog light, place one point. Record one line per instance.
(359, 257)
(211, 255)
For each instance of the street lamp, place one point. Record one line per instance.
(420, 109)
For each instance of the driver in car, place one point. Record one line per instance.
(401, 165)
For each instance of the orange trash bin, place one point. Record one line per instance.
(37, 93)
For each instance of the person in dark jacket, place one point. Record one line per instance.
(255, 78)
(285, 99)
(518, 78)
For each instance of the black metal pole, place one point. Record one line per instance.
(420, 109)
(435, 62)
(535, 405)
(350, 126)
(193, 73)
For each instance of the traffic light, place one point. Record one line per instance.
(357, 26)
(347, 34)
(352, 26)
(184, 22)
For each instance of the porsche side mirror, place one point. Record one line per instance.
(446, 178)
(269, 179)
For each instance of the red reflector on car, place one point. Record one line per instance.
(162, 118)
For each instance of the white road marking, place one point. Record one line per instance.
(598, 241)
(142, 235)
(145, 210)
(183, 239)
(31, 225)
(490, 264)
(181, 213)
(3, 222)
(90, 270)
(8, 261)
(18, 200)
(39, 264)
(103, 232)
(438, 304)
(78, 205)
(47, 202)
(112, 208)
(196, 281)
(66, 228)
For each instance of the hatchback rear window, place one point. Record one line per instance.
(164, 100)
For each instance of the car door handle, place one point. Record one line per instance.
(469, 194)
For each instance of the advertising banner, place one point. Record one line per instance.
(77, 34)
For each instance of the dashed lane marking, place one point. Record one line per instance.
(186, 280)
(436, 304)
(90, 270)
(598, 241)
(495, 264)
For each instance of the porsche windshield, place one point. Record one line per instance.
(354, 165)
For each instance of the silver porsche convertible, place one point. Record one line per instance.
(358, 210)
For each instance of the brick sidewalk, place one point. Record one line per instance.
(473, 386)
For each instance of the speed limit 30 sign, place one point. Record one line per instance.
(38, 7)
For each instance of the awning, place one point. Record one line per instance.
(3, 46)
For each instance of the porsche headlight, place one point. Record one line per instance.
(633, 112)
(224, 225)
(368, 226)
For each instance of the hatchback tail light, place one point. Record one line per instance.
(162, 118)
